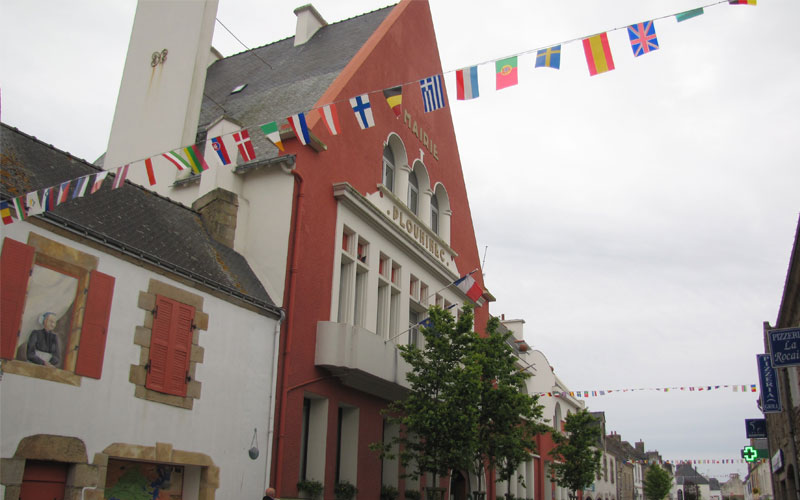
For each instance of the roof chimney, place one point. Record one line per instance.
(308, 22)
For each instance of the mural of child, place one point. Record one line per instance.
(43, 343)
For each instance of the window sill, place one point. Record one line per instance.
(27, 369)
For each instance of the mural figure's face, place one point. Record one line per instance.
(50, 322)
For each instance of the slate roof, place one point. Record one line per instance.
(131, 219)
(282, 79)
(686, 473)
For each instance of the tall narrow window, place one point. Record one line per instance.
(434, 214)
(413, 332)
(388, 168)
(413, 192)
(304, 438)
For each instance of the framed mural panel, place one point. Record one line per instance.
(127, 479)
(47, 319)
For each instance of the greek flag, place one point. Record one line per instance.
(432, 93)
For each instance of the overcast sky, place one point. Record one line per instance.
(640, 221)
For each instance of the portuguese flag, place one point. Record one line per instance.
(506, 72)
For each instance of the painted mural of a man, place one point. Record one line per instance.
(43, 343)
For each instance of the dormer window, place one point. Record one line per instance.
(388, 168)
(434, 214)
(413, 192)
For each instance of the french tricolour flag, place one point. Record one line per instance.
(467, 83)
(469, 286)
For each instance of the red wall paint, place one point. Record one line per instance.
(403, 49)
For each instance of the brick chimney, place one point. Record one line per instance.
(308, 22)
(218, 209)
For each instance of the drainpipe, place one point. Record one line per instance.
(273, 393)
(289, 296)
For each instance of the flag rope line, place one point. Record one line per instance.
(9, 204)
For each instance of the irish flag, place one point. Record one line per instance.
(506, 72)
(598, 54)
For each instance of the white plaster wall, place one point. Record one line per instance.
(379, 242)
(235, 376)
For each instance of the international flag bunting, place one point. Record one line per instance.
(598, 54)
(32, 204)
(506, 70)
(19, 206)
(119, 176)
(151, 175)
(98, 181)
(298, 124)
(195, 158)
(245, 145)
(683, 16)
(432, 93)
(49, 198)
(643, 38)
(742, 2)
(176, 159)
(80, 187)
(273, 134)
(549, 57)
(5, 213)
(330, 118)
(394, 97)
(63, 193)
(363, 111)
(218, 145)
(470, 287)
(467, 83)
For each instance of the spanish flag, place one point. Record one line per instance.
(394, 96)
(598, 54)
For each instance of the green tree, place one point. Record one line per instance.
(657, 483)
(577, 460)
(508, 418)
(439, 416)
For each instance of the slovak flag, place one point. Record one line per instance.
(244, 144)
(470, 287)
(218, 146)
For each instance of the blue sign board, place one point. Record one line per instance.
(755, 427)
(770, 397)
(784, 344)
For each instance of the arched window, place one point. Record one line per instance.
(388, 168)
(435, 214)
(413, 192)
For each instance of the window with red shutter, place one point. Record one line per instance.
(16, 262)
(95, 325)
(170, 346)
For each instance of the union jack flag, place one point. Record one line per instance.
(643, 38)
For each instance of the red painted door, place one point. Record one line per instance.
(43, 481)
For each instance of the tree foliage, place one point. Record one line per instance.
(577, 460)
(508, 418)
(439, 416)
(657, 483)
(467, 406)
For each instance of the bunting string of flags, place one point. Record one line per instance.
(599, 60)
(698, 388)
(692, 461)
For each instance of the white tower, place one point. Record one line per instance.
(159, 101)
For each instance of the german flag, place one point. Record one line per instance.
(394, 96)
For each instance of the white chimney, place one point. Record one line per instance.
(308, 22)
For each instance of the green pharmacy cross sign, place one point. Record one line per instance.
(751, 454)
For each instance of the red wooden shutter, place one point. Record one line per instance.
(170, 347)
(95, 325)
(16, 263)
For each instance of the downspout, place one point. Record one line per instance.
(273, 392)
(289, 296)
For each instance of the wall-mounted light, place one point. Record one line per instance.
(253, 451)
